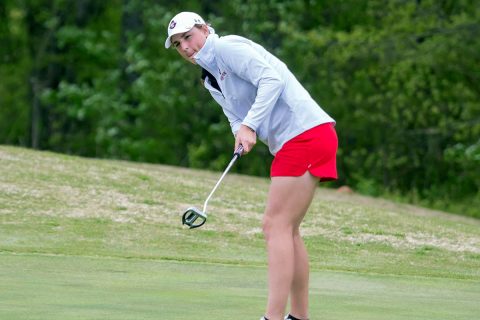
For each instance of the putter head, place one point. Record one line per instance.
(191, 216)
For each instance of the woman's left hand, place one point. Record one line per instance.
(245, 137)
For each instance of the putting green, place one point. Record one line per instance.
(74, 287)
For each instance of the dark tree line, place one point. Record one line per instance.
(401, 78)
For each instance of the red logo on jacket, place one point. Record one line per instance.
(222, 74)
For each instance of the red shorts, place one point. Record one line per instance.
(314, 150)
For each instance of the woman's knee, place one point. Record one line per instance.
(276, 226)
(266, 227)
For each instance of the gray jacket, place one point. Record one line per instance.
(258, 90)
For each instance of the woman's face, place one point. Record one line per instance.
(190, 42)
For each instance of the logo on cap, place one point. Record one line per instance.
(172, 24)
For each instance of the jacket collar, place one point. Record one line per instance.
(206, 56)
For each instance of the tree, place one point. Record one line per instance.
(400, 77)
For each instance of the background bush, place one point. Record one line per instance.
(92, 78)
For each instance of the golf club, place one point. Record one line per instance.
(193, 214)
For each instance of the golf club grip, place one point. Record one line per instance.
(239, 151)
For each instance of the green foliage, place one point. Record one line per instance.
(400, 78)
(402, 98)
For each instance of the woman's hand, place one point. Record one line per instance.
(245, 137)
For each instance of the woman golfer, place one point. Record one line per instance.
(262, 99)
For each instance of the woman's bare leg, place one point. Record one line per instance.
(288, 201)
(299, 290)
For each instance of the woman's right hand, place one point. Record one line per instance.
(245, 137)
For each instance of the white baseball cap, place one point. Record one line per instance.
(182, 22)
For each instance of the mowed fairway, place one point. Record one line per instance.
(93, 239)
(69, 287)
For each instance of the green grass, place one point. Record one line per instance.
(76, 287)
(97, 239)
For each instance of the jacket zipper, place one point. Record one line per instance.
(211, 88)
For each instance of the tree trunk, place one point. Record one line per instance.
(131, 26)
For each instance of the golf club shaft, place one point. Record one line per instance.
(235, 157)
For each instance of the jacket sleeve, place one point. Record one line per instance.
(243, 60)
(234, 121)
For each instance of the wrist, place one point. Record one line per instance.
(252, 130)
